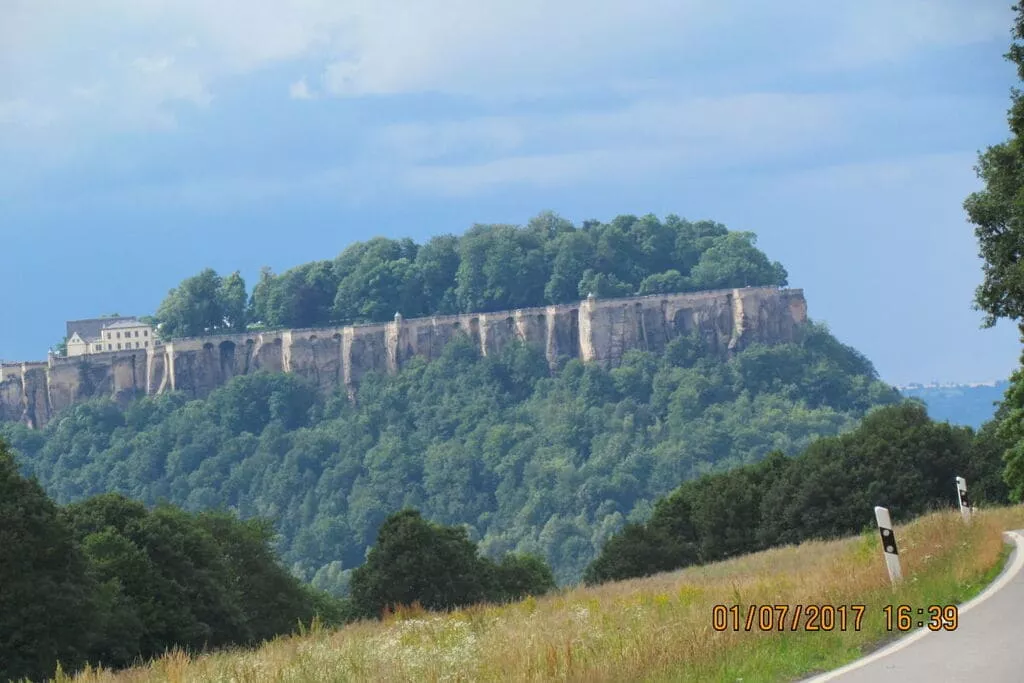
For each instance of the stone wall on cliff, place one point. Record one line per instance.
(594, 330)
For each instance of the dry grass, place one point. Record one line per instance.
(658, 628)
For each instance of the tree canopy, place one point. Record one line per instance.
(107, 581)
(489, 268)
(204, 304)
(997, 212)
(437, 567)
(896, 457)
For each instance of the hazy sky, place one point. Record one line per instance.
(143, 140)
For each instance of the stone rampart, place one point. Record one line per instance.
(593, 330)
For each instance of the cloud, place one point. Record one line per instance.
(22, 113)
(880, 31)
(144, 56)
(299, 90)
(625, 143)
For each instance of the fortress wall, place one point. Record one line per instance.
(64, 383)
(366, 350)
(156, 375)
(594, 330)
(10, 371)
(12, 408)
(36, 397)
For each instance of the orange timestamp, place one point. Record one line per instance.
(934, 617)
(787, 617)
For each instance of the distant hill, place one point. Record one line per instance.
(964, 404)
(540, 460)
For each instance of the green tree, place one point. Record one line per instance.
(574, 254)
(47, 605)
(61, 347)
(519, 575)
(664, 283)
(638, 550)
(193, 308)
(233, 302)
(733, 261)
(997, 212)
(438, 262)
(169, 579)
(604, 285)
(417, 561)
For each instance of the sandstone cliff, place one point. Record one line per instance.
(593, 330)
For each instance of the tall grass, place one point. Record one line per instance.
(657, 628)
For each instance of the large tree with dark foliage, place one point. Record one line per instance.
(108, 581)
(997, 212)
(47, 602)
(203, 304)
(418, 562)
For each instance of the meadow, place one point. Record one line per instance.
(658, 628)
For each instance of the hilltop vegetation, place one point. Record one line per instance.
(489, 268)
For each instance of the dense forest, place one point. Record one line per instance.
(489, 268)
(107, 582)
(544, 464)
(897, 457)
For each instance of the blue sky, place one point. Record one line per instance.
(143, 140)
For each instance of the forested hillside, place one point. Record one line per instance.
(545, 463)
(542, 464)
(897, 457)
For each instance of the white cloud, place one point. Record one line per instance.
(21, 113)
(629, 142)
(883, 30)
(299, 90)
(144, 54)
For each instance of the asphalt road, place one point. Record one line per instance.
(987, 646)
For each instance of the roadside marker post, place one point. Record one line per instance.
(965, 503)
(889, 549)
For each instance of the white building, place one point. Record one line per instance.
(101, 335)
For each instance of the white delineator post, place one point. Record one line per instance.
(965, 502)
(891, 552)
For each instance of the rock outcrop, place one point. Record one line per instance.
(594, 330)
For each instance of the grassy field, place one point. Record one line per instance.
(654, 629)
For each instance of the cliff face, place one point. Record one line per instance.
(592, 330)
